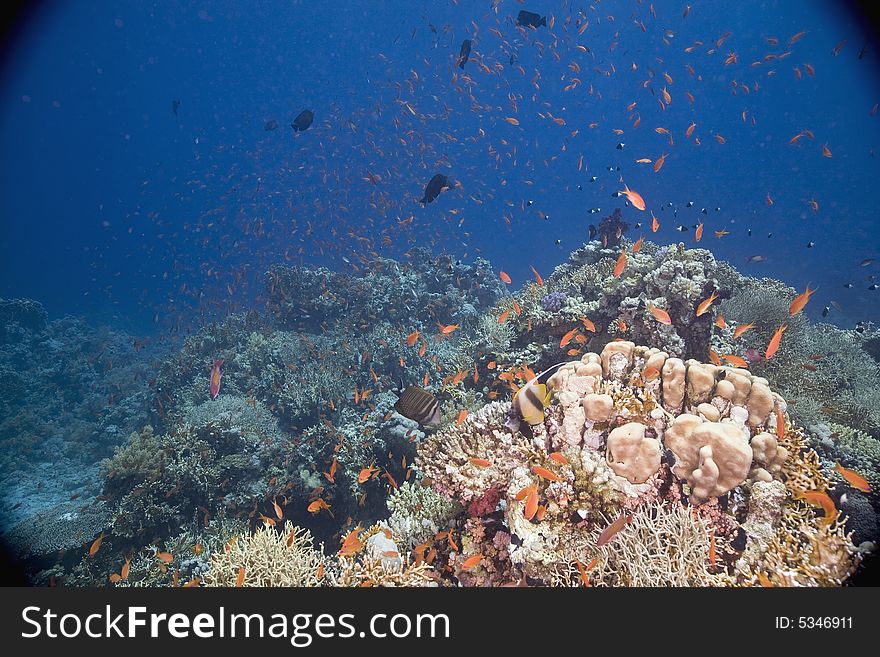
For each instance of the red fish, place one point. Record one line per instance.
(659, 314)
(611, 530)
(634, 197)
(545, 473)
(215, 378)
(853, 478)
(774, 342)
(621, 263)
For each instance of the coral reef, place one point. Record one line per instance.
(690, 473)
(672, 278)
(600, 452)
(69, 393)
(157, 485)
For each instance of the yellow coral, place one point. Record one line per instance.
(802, 470)
(805, 553)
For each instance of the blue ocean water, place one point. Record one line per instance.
(115, 206)
(152, 177)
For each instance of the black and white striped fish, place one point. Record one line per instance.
(419, 405)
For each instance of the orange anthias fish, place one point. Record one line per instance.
(611, 530)
(239, 579)
(317, 505)
(634, 197)
(854, 479)
(703, 308)
(660, 160)
(480, 463)
(638, 245)
(471, 562)
(538, 278)
(331, 475)
(531, 507)
(659, 314)
(588, 324)
(412, 337)
(736, 361)
(780, 423)
(714, 357)
(96, 545)
(503, 316)
(650, 373)
(584, 571)
(366, 474)
(545, 473)
(720, 322)
(567, 337)
(698, 234)
(215, 378)
(621, 263)
(559, 458)
(821, 499)
(462, 414)
(352, 544)
(742, 328)
(800, 301)
(446, 330)
(774, 342)
(504, 277)
(655, 225)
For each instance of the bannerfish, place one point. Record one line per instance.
(436, 185)
(530, 401)
(302, 121)
(464, 53)
(420, 405)
(530, 19)
(271, 125)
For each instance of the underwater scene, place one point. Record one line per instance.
(440, 293)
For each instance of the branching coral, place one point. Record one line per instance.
(268, 557)
(417, 513)
(662, 545)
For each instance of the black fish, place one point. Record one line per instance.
(302, 121)
(271, 125)
(420, 405)
(436, 185)
(174, 105)
(530, 19)
(464, 53)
